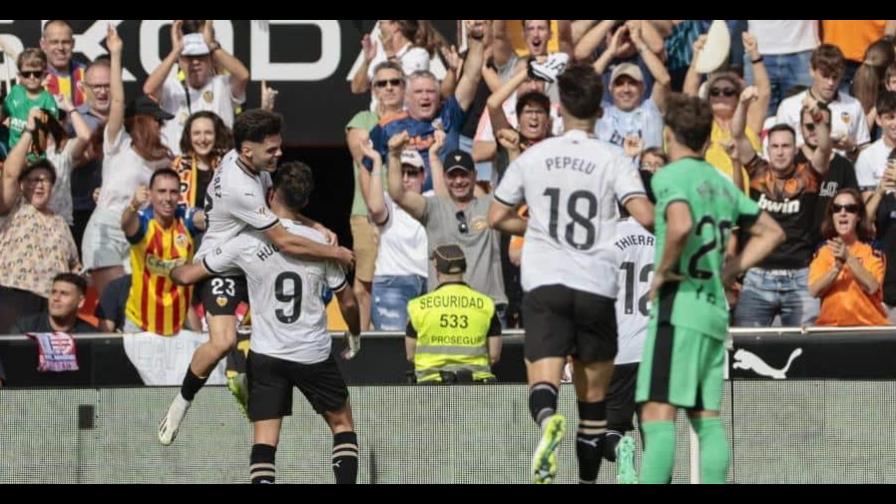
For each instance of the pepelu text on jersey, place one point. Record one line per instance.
(779, 207)
(451, 302)
(267, 251)
(570, 163)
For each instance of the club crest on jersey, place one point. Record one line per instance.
(208, 96)
(479, 224)
(221, 300)
(180, 240)
(845, 117)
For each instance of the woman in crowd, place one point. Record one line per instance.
(723, 92)
(203, 143)
(870, 78)
(846, 272)
(37, 243)
(133, 149)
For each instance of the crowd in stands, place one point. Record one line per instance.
(106, 192)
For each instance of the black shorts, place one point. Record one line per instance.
(221, 295)
(561, 321)
(271, 381)
(621, 398)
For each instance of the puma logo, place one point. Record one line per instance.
(744, 359)
(337, 464)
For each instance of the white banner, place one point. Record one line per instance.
(163, 360)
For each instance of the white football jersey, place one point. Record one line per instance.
(289, 318)
(572, 184)
(235, 199)
(636, 248)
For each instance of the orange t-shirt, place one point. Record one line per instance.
(853, 36)
(845, 303)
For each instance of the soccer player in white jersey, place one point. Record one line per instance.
(636, 246)
(290, 345)
(572, 184)
(236, 200)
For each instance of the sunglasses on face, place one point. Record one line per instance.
(462, 227)
(32, 74)
(411, 173)
(726, 92)
(850, 208)
(385, 82)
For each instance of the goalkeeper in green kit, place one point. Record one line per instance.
(697, 209)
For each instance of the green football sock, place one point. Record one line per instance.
(659, 452)
(714, 455)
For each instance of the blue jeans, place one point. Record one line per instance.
(784, 72)
(389, 310)
(768, 293)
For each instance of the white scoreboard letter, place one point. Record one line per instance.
(331, 51)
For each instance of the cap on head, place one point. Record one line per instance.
(459, 160)
(411, 157)
(628, 69)
(144, 105)
(194, 45)
(450, 259)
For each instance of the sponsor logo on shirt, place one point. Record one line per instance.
(787, 207)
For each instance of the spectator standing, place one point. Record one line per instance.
(847, 272)
(65, 74)
(161, 238)
(401, 265)
(388, 90)
(198, 55)
(786, 47)
(28, 94)
(873, 161)
(852, 37)
(133, 150)
(36, 243)
(203, 143)
(881, 207)
(850, 127)
(870, 78)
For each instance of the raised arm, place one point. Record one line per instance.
(592, 39)
(76, 145)
(239, 74)
(472, 71)
(652, 37)
(16, 162)
(155, 80)
(821, 157)
(579, 28)
(436, 168)
(130, 221)
(759, 109)
(691, 86)
(496, 100)
(376, 201)
(412, 203)
(565, 42)
(615, 48)
(661, 78)
(887, 183)
(116, 89)
(744, 148)
(360, 81)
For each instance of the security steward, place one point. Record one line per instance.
(453, 333)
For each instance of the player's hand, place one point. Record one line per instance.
(352, 345)
(345, 257)
(330, 236)
(660, 278)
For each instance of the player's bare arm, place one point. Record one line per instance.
(678, 226)
(505, 219)
(307, 249)
(765, 236)
(641, 209)
(189, 274)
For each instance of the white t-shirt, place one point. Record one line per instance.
(61, 200)
(289, 318)
(216, 96)
(847, 117)
(572, 184)
(784, 36)
(403, 246)
(871, 164)
(636, 247)
(645, 121)
(235, 199)
(123, 171)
